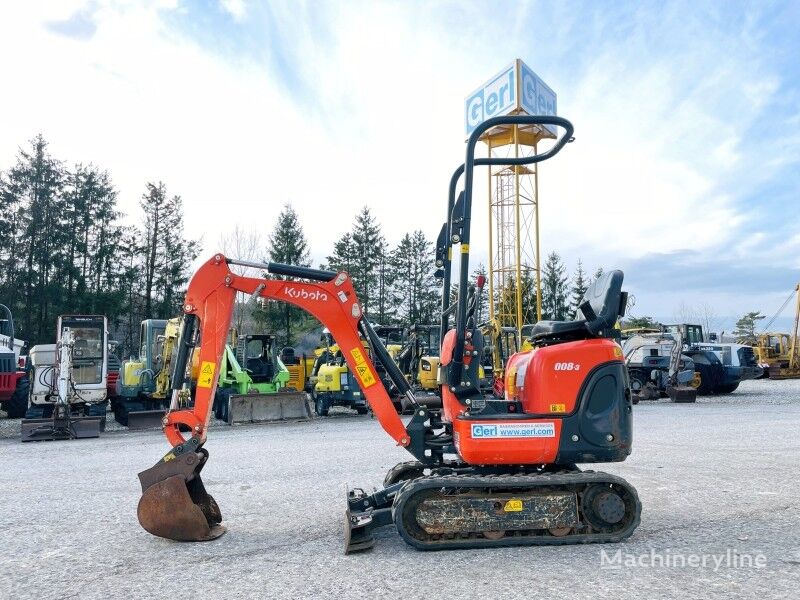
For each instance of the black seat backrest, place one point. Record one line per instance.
(603, 303)
(81, 348)
(288, 357)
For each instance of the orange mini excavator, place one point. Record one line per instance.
(487, 471)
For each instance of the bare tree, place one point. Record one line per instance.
(245, 245)
(702, 314)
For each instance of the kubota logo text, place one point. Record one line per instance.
(304, 295)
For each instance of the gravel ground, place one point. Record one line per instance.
(717, 478)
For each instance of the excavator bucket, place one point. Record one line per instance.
(174, 502)
(258, 408)
(682, 393)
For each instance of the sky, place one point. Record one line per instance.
(683, 173)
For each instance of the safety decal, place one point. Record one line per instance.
(558, 408)
(513, 505)
(363, 372)
(206, 376)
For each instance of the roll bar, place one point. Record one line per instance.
(463, 219)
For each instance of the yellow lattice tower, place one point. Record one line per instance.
(514, 228)
(513, 192)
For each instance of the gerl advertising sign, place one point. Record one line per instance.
(516, 88)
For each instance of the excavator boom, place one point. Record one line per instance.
(174, 503)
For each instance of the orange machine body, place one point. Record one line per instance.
(565, 368)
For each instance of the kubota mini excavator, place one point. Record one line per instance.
(488, 472)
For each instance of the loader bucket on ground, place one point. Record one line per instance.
(145, 419)
(174, 502)
(258, 408)
(682, 393)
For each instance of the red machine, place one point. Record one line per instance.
(13, 380)
(488, 471)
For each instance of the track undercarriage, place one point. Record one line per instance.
(460, 506)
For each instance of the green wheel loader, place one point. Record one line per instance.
(253, 384)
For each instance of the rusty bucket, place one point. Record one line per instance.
(174, 502)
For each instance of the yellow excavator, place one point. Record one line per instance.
(143, 387)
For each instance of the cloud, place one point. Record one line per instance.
(236, 8)
(688, 133)
(79, 25)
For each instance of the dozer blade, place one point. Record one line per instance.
(145, 419)
(258, 408)
(174, 502)
(38, 430)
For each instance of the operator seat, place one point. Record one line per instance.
(602, 304)
(260, 369)
(288, 356)
(81, 348)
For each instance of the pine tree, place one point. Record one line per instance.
(343, 257)
(745, 331)
(367, 247)
(288, 244)
(167, 253)
(34, 186)
(153, 203)
(416, 292)
(641, 322)
(63, 250)
(555, 304)
(579, 287)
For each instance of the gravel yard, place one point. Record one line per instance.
(718, 482)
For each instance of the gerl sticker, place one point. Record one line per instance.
(206, 377)
(513, 430)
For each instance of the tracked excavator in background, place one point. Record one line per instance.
(486, 472)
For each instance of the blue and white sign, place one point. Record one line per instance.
(515, 88)
(508, 430)
(536, 97)
(498, 96)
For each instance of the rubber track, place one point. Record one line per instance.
(520, 481)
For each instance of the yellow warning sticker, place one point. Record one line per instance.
(513, 506)
(363, 371)
(206, 376)
(558, 408)
(358, 356)
(464, 248)
(617, 351)
(365, 375)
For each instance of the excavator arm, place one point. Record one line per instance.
(174, 503)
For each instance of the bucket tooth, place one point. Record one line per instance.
(175, 504)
